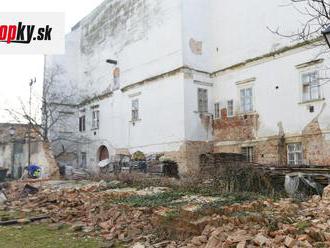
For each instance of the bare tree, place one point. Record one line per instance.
(316, 18)
(50, 101)
(56, 110)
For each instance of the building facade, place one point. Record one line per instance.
(14, 151)
(188, 77)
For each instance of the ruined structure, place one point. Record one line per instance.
(14, 151)
(189, 77)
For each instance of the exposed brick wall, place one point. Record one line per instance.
(272, 151)
(227, 149)
(188, 155)
(269, 152)
(316, 148)
(237, 128)
(241, 131)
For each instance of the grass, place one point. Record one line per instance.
(157, 200)
(41, 236)
(302, 225)
(168, 199)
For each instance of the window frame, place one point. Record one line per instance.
(82, 123)
(232, 113)
(243, 103)
(249, 154)
(202, 100)
(83, 161)
(217, 114)
(135, 110)
(95, 119)
(295, 152)
(310, 85)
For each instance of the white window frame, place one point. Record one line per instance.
(243, 105)
(135, 109)
(311, 87)
(232, 113)
(203, 100)
(95, 119)
(293, 151)
(217, 113)
(248, 152)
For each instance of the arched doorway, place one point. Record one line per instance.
(103, 153)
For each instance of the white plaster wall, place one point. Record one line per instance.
(143, 36)
(240, 28)
(161, 113)
(194, 128)
(161, 124)
(234, 31)
(196, 25)
(282, 105)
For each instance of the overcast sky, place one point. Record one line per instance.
(17, 70)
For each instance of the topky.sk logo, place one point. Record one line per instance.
(24, 34)
(32, 33)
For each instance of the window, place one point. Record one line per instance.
(83, 160)
(295, 155)
(230, 108)
(217, 111)
(34, 147)
(18, 147)
(246, 100)
(248, 153)
(135, 110)
(202, 100)
(95, 119)
(310, 86)
(116, 74)
(82, 123)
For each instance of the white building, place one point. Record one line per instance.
(193, 77)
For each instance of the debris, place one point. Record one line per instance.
(92, 209)
(77, 227)
(138, 245)
(29, 190)
(289, 242)
(261, 240)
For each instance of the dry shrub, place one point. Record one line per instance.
(242, 177)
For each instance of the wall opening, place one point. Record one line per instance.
(103, 153)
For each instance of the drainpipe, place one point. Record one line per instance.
(12, 132)
(12, 159)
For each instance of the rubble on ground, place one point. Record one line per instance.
(91, 208)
